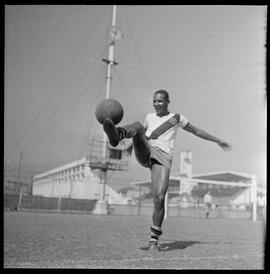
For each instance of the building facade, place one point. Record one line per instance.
(74, 180)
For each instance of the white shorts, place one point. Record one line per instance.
(156, 154)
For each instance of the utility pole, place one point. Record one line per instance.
(19, 170)
(101, 205)
(18, 182)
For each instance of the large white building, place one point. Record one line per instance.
(74, 180)
(227, 187)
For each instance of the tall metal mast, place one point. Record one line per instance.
(101, 205)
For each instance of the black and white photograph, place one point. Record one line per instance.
(135, 137)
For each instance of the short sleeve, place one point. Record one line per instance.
(183, 121)
(145, 123)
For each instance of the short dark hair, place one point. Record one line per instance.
(164, 92)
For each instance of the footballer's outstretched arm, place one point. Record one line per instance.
(204, 135)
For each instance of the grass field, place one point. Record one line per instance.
(55, 240)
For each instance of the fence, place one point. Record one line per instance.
(191, 210)
(29, 202)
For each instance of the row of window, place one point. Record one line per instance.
(73, 178)
(66, 172)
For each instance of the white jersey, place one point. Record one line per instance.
(207, 198)
(166, 140)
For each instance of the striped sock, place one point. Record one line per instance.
(122, 133)
(155, 233)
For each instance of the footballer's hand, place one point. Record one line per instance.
(224, 145)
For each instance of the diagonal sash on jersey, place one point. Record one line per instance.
(164, 127)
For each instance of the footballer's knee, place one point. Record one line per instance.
(139, 127)
(159, 200)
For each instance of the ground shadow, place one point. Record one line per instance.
(172, 244)
(168, 245)
(178, 244)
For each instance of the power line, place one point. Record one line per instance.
(56, 121)
(137, 52)
(53, 115)
(96, 88)
(172, 75)
(54, 90)
(127, 89)
(32, 140)
(44, 105)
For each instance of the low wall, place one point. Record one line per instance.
(11, 202)
(29, 202)
(189, 212)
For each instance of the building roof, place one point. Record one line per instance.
(217, 177)
(61, 168)
(225, 176)
(200, 191)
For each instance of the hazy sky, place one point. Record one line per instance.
(211, 59)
